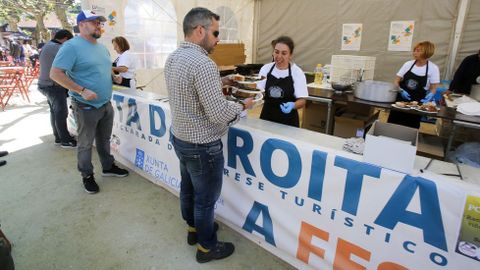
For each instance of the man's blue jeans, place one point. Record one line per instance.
(57, 101)
(201, 169)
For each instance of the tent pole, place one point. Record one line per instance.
(256, 21)
(457, 37)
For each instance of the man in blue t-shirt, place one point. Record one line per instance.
(83, 66)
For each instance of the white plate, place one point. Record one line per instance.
(401, 108)
(234, 89)
(258, 98)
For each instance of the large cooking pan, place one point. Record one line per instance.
(376, 91)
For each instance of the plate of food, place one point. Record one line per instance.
(255, 77)
(239, 96)
(401, 105)
(428, 107)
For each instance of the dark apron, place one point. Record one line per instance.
(415, 86)
(279, 91)
(125, 82)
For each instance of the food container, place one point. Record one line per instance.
(475, 92)
(376, 91)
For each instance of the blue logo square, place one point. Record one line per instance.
(139, 158)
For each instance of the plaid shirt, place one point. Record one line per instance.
(200, 112)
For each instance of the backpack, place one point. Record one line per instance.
(6, 261)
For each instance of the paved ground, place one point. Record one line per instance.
(54, 224)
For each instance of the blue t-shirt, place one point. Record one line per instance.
(89, 66)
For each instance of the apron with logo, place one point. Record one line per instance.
(279, 91)
(415, 86)
(125, 82)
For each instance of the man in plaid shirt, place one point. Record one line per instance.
(200, 117)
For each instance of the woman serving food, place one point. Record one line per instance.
(285, 85)
(417, 80)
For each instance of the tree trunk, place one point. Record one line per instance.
(41, 29)
(60, 11)
(13, 23)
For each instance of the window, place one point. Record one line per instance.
(151, 30)
(228, 24)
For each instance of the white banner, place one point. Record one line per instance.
(312, 206)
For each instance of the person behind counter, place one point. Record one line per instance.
(201, 115)
(467, 75)
(417, 80)
(124, 65)
(285, 86)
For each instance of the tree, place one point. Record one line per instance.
(37, 9)
(61, 7)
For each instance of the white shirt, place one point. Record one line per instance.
(299, 80)
(127, 60)
(433, 75)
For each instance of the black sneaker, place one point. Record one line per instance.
(192, 236)
(220, 251)
(115, 171)
(69, 145)
(90, 184)
(57, 142)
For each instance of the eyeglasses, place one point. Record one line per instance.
(97, 23)
(215, 33)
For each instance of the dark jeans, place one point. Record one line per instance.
(57, 101)
(201, 168)
(93, 123)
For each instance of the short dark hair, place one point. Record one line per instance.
(284, 40)
(122, 43)
(198, 16)
(64, 33)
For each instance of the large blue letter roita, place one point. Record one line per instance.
(267, 229)
(429, 220)
(133, 116)
(317, 175)
(157, 111)
(242, 152)
(294, 163)
(356, 170)
(118, 104)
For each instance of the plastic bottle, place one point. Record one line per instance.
(318, 74)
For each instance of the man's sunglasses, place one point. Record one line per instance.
(215, 33)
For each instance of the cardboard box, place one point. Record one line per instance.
(226, 54)
(315, 116)
(391, 146)
(350, 125)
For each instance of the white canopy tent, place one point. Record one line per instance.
(315, 26)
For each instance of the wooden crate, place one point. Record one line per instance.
(226, 54)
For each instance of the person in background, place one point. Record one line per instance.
(467, 74)
(83, 66)
(417, 80)
(201, 115)
(125, 62)
(2, 154)
(55, 93)
(285, 86)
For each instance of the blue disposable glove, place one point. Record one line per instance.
(429, 97)
(405, 95)
(287, 107)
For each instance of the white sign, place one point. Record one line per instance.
(401, 35)
(351, 36)
(316, 207)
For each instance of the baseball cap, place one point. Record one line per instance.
(88, 15)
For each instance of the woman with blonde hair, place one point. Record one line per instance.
(417, 80)
(124, 65)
